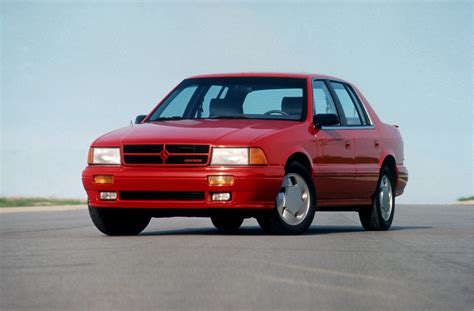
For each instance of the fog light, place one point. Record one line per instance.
(103, 179)
(221, 196)
(108, 196)
(220, 180)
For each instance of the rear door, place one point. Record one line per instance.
(367, 149)
(335, 155)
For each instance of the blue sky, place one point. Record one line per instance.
(71, 71)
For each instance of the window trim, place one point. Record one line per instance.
(357, 103)
(340, 104)
(338, 109)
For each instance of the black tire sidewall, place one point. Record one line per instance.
(118, 221)
(384, 224)
(274, 224)
(227, 223)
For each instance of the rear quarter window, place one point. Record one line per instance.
(349, 107)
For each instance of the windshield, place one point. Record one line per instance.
(235, 98)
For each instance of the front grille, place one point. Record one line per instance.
(187, 148)
(161, 154)
(139, 159)
(142, 148)
(161, 196)
(186, 159)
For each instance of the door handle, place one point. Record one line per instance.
(347, 143)
(376, 143)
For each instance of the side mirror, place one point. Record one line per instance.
(323, 119)
(140, 118)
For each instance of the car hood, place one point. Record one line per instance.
(206, 131)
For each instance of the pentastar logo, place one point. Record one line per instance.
(164, 155)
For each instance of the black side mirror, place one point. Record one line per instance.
(323, 119)
(140, 118)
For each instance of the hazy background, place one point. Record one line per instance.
(71, 71)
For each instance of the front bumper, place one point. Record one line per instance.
(253, 188)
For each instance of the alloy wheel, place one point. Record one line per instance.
(294, 200)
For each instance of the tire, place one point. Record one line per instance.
(227, 224)
(379, 216)
(287, 218)
(112, 221)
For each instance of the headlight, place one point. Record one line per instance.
(104, 156)
(238, 156)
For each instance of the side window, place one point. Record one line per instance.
(322, 100)
(362, 112)
(348, 106)
(177, 106)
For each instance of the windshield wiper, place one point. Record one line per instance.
(166, 119)
(181, 118)
(230, 117)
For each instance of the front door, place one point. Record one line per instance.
(334, 161)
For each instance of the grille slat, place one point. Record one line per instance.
(187, 148)
(139, 159)
(161, 154)
(142, 148)
(161, 196)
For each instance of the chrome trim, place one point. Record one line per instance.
(361, 104)
(357, 127)
(365, 110)
(367, 114)
(385, 198)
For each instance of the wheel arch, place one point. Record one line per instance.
(301, 158)
(390, 162)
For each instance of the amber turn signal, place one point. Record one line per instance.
(90, 156)
(257, 157)
(104, 179)
(220, 180)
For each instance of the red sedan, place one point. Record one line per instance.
(277, 147)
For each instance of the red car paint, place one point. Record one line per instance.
(344, 163)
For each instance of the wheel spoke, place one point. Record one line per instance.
(287, 182)
(294, 200)
(281, 202)
(385, 197)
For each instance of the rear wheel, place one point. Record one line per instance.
(295, 204)
(379, 216)
(227, 224)
(113, 221)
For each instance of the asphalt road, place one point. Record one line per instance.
(59, 261)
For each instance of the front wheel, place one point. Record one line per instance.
(379, 216)
(295, 204)
(112, 221)
(227, 224)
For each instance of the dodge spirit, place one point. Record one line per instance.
(275, 147)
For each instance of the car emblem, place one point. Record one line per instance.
(164, 155)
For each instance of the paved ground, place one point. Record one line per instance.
(59, 261)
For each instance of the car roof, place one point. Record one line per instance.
(267, 74)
